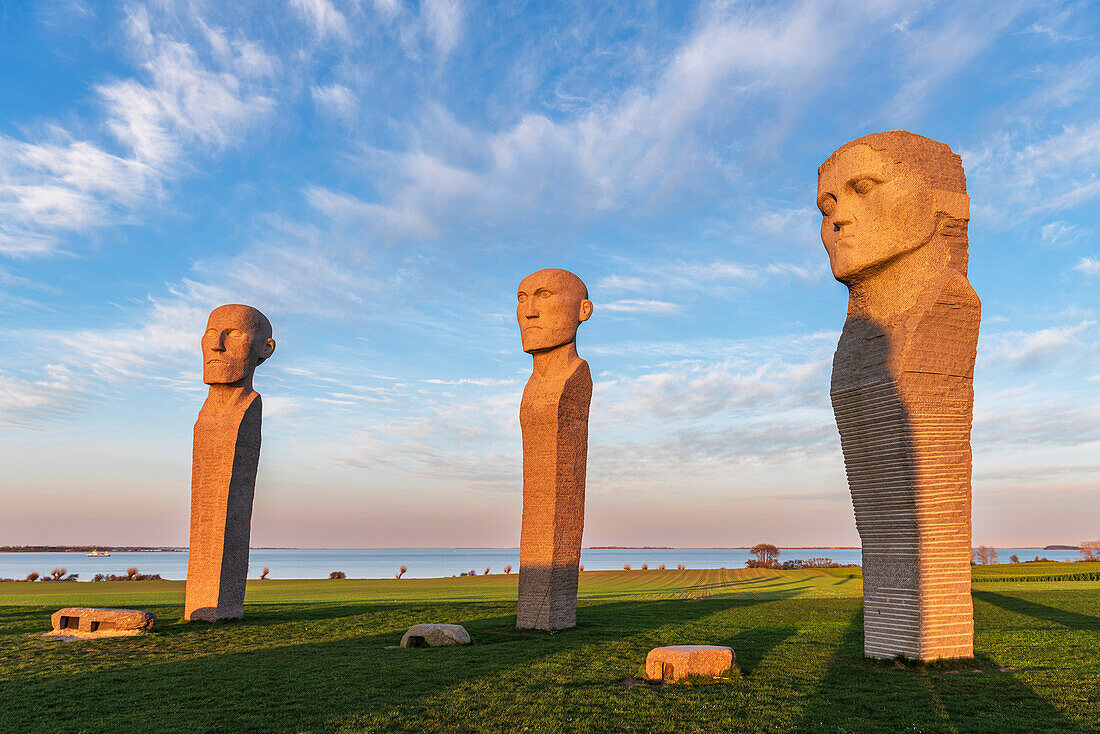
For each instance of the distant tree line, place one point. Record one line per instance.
(766, 555)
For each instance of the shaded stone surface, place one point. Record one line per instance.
(895, 214)
(91, 622)
(554, 422)
(225, 460)
(435, 635)
(681, 661)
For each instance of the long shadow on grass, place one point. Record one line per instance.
(274, 681)
(1072, 620)
(858, 694)
(753, 645)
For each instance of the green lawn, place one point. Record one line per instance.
(311, 657)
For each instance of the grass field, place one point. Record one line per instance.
(311, 657)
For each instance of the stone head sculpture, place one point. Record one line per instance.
(552, 304)
(237, 340)
(224, 461)
(553, 417)
(894, 215)
(887, 195)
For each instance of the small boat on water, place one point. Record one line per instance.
(98, 554)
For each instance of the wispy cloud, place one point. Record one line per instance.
(1033, 349)
(1087, 266)
(335, 100)
(1052, 174)
(661, 277)
(938, 51)
(648, 146)
(61, 184)
(323, 18)
(443, 21)
(640, 305)
(1060, 234)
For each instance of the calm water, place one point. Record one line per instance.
(313, 563)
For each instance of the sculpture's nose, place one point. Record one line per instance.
(217, 344)
(842, 215)
(529, 310)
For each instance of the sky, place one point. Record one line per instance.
(377, 176)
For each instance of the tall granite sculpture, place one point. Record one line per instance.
(225, 458)
(894, 224)
(554, 418)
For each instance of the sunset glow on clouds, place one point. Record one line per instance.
(378, 176)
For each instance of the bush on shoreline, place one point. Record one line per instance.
(127, 577)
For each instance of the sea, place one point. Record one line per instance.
(377, 563)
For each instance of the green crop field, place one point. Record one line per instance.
(312, 656)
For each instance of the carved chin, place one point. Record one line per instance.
(216, 374)
(538, 341)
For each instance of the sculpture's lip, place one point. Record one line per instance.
(216, 361)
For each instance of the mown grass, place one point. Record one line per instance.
(311, 656)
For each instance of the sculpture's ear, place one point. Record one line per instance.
(586, 310)
(952, 203)
(266, 351)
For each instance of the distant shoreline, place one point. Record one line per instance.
(183, 549)
(87, 549)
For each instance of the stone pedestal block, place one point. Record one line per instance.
(554, 418)
(223, 482)
(681, 661)
(89, 622)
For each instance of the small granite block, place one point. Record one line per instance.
(680, 661)
(86, 623)
(435, 635)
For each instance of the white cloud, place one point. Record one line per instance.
(640, 305)
(936, 52)
(697, 391)
(63, 184)
(649, 146)
(60, 184)
(1052, 174)
(388, 8)
(323, 18)
(336, 100)
(1087, 266)
(1032, 349)
(182, 102)
(87, 365)
(443, 22)
(1060, 234)
(687, 277)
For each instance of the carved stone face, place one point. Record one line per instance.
(552, 304)
(873, 210)
(237, 339)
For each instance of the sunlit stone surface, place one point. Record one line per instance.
(435, 635)
(554, 420)
(681, 661)
(895, 215)
(91, 622)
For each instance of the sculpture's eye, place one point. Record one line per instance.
(522, 297)
(545, 293)
(235, 333)
(863, 186)
(827, 204)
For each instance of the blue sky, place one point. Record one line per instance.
(377, 176)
